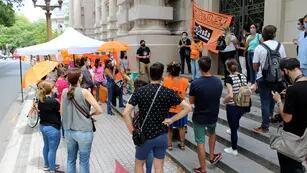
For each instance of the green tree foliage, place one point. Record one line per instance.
(23, 33)
(7, 14)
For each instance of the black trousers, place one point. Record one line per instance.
(224, 56)
(185, 57)
(288, 165)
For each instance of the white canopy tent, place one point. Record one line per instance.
(72, 40)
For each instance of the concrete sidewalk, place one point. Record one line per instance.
(112, 142)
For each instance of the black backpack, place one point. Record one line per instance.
(271, 72)
(221, 43)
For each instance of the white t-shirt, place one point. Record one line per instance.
(260, 54)
(231, 46)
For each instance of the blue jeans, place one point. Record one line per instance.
(195, 69)
(110, 86)
(251, 71)
(267, 103)
(149, 161)
(234, 115)
(78, 141)
(51, 137)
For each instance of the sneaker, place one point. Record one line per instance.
(231, 151)
(228, 131)
(261, 130)
(46, 168)
(57, 171)
(198, 170)
(217, 157)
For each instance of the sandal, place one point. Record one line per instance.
(198, 170)
(182, 147)
(170, 147)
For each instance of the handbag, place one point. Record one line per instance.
(83, 112)
(138, 135)
(221, 43)
(289, 144)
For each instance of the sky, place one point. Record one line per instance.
(28, 10)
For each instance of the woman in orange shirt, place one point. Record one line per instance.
(196, 53)
(179, 85)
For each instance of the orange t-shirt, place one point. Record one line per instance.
(118, 76)
(196, 48)
(180, 86)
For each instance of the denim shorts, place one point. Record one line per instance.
(200, 129)
(158, 145)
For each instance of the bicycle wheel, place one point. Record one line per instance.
(32, 119)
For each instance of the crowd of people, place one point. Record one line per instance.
(67, 99)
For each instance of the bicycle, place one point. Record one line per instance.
(33, 116)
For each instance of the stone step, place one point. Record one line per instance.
(188, 160)
(250, 147)
(253, 148)
(246, 127)
(229, 163)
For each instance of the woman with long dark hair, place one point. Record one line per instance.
(252, 41)
(87, 80)
(78, 127)
(233, 112)
(99, 77)
(113, 84)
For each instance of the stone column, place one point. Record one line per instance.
(77, 24)
(149, 17)
(97, 18)
(274, 15)
(112, 28)
(104, 15)
(123, 23)
(71, 13)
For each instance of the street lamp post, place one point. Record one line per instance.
(48, 8)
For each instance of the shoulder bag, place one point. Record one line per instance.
(289, 144)
(138, 135)
(84, 112)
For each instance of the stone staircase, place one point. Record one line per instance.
(255, 154)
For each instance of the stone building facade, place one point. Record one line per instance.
(160, 22)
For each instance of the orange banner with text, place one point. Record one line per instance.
(208, 26)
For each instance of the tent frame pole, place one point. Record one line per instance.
(20, 72)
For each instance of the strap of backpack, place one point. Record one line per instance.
(241, 82)
(266, 47)
(277, 48)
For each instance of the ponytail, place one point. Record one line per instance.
(42, 94)
(70, 93)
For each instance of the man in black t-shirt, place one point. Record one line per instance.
(155, 125)
(143, 55)
(205, 94)
(185, 51)
(293, 112)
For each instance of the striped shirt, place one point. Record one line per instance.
(236, 83)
